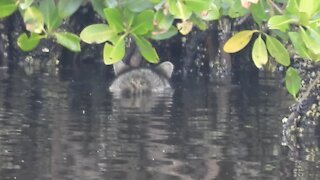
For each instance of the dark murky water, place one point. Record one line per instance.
(68, 127)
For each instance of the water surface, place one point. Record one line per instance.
(66, 125)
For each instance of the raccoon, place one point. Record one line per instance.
(135, 81)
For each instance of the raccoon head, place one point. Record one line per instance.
(138, 81)
(164, 68)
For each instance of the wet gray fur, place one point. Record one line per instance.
(133, 81)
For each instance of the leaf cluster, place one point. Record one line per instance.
(297, 24)
(294, 22)
(42, 21)
(143, 20)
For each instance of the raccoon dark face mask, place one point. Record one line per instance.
(141, 80)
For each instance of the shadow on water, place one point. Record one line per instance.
(67, 126)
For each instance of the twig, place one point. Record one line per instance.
(242, 20)
(275, 6)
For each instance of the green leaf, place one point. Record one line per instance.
(127, 18)
(98, 6)
(7, 7)
(155, 1)
(280, 22)
(300, 48)
(163, 22)
(278, 51)
(96, 34)
(146, 49)
(314, 57)
(114, 19)
(137, 5)
(50, 14)
(24, 4)
(179, 9)
(211, 14)
(28, 43)
(67, 7)
(235, 9)
(238, 41)
(293, 81)
(311, 39)
(143, 22)
(197, 21)
(259, 53)
(114, 52)
(33, 20)
(303, 18)
(282, 35)
(292, 6)
(315, 36)
(69, 40)
(198, 6)
(258, 12)
(164, 35)
(308, 7)
(314, 21)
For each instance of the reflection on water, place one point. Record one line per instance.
(67, 126)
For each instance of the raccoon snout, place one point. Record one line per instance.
(138, 86)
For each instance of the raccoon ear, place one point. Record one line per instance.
(119, 67)
(166, 68)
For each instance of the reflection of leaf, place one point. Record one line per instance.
(7, 7)
(33, 20)
(238, 41)
(114, 52)
(28, 43)
(69, 40)
(259, 53)
(278, 51)
(293, 81)
(96, 33)
(146, 49)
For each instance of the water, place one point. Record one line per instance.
(65, 126)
